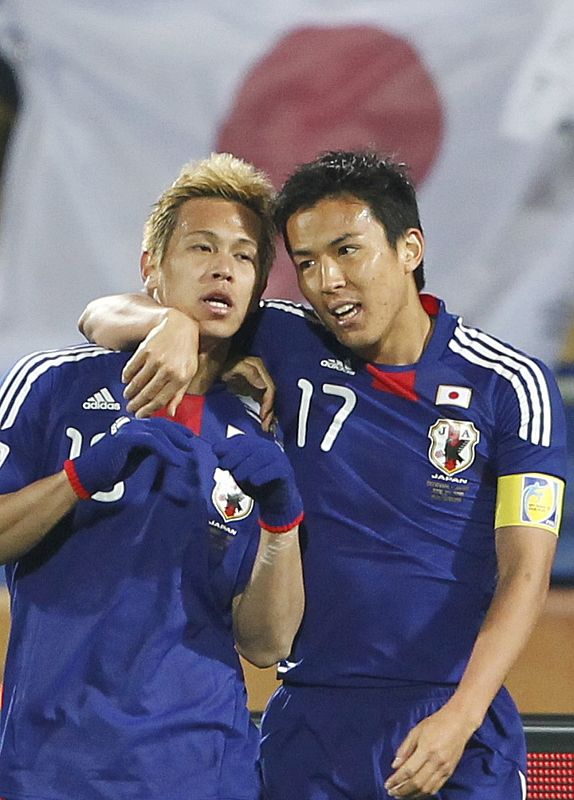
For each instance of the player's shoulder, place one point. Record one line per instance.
(284, 327)
(41, 363)
(493, 356)
(288, 312)
(48, 371)
(510, 378)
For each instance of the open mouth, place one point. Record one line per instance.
(218, 302)
(345, 312)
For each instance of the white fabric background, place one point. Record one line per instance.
(117, 94)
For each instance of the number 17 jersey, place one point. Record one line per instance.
(399, 467)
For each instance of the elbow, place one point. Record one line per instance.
(84, 324)
(258, 659)
(94, 325)
(265, 654)
(89, 327)
(265, 642)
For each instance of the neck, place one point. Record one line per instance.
(411, 332)
(424, 326)
(211, 360)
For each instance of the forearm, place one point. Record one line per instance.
(27, 515)
(516, 606)
(268, 614)
(120, 322)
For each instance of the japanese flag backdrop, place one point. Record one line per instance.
(118, 94)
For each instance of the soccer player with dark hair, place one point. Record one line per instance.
(431, 460)
(141, 554)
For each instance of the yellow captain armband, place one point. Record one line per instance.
(529, 499)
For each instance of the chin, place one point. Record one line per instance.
(221, 331)
(362, 347)
(350, 338)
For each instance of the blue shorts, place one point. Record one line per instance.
(322, 743)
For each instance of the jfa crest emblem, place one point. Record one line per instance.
(228, 499)
(452, 446)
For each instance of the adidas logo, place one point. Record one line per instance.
(101, 401)
(340, 366)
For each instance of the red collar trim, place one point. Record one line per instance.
(401, 384)
(189, 412)
(430, 303)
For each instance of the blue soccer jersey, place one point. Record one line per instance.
(399, 469)
(121, 677)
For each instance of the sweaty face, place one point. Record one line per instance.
(360, 286)
(209, 267)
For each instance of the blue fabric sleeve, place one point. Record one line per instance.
(531, 425)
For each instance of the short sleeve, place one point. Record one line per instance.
(530, 424)
(277, 327)
(24, 411)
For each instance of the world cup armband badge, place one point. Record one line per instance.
(539, 498)
(530, 499)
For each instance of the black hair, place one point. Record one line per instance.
(379, 182)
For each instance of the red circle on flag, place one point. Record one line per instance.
(453, 395)
(340, 87)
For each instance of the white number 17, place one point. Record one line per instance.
(349, 402)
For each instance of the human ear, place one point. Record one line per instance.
(149, 273)
(411, 248)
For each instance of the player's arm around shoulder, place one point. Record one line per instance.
(166, 345)
(267, 614)
(165, 341)
(120, 321)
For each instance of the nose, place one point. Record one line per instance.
(332, 276)
(223, 267)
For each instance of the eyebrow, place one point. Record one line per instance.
(333, 243)
(214, 235)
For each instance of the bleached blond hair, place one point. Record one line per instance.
(224, 176)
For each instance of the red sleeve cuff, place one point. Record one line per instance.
(75, 482)
(282, 528)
